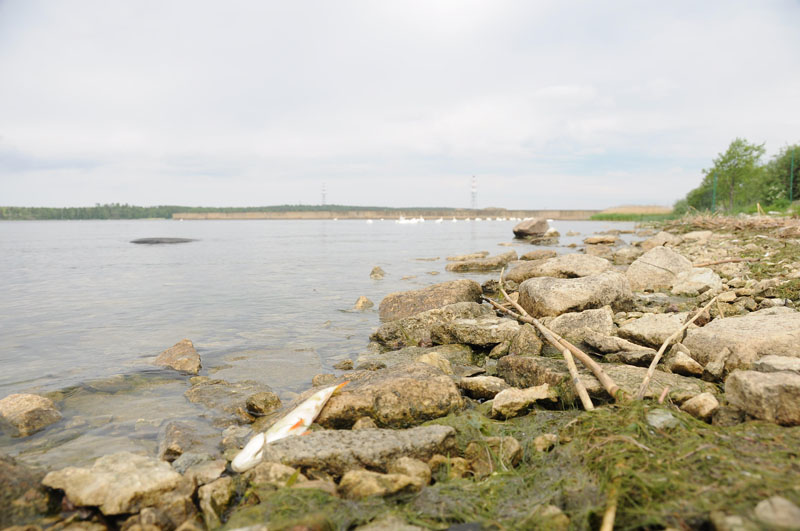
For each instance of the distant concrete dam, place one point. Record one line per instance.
(431, 214)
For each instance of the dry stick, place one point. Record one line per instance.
(652, 368)
(571, 367)
(559, 342)
(725, 261)
(611, 510)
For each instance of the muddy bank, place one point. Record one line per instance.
(456, 413)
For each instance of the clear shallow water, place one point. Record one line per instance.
(83, 311)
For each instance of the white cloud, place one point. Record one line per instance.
(551, 104)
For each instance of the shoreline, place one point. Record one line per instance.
(505, 439)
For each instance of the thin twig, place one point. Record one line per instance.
(580, 389)
(725, 261)
(611, 509)
(663, 395)
(657, 358)
(560, 343)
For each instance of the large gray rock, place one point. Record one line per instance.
(607, 344)
(482, 387)
(531, 227)
(749, 337)
(337, 451)
(483, 331)
(407, 303)
(554, 296)
(777, 512)
(773, 363)
(121, 483)
(28, 413)
(652, 329)
(773, 396)
(695, 281)
(626, 255)
(656, 269)
(525, 343)
(563, 266)
(662, 238)
(528, 372)
(182, 356)
(396, 397)
(576, 325)
(491, 263)
(416, 329)
(455, 354)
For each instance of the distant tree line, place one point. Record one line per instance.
(125, 211)
(738, 180)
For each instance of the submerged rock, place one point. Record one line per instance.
(21, 497)
(28, 413)
(121, 483)
(773, 396)
(407, 303)
(554, 296)
(182, 356)
(160, 241)
(180, 436)
(772, 331)
(377, 273)
(397, 397)
(529, 372)
(470, 256)
(337, 451)
(539, 254)
(416, 329)
(227, 397)
(492, 263)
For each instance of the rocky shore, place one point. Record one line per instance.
(459, 416)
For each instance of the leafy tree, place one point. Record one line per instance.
(737, 171)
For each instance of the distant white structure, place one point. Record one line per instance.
(474, 193)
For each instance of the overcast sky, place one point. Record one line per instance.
(557, 104)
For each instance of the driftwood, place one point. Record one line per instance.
(549, 335)
(652, 369)
(560, 343)
(611, 509)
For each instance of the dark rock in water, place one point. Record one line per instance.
(22, 499)
(531, 227)
(157, 241)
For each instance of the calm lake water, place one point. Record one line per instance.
(83, 311)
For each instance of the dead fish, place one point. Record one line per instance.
(295, 423)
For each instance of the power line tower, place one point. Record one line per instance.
(474, 193)
(324, 193)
